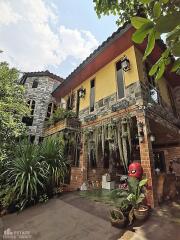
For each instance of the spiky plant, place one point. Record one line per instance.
(25, 173)
(52, 152)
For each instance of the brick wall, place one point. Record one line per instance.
(171, 153)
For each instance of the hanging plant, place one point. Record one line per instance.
(124, 142)
(129, 126)
(125, 135)
(103, 138)
(120, 144)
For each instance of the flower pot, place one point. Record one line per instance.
(119, 222)
(141, 213)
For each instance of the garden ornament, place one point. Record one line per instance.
(135, 170)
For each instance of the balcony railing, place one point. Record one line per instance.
(69, 123)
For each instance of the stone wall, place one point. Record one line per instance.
(105, 105)
(42, 96)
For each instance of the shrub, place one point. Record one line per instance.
(33, 170)
(26, 173)
(59, 115)
(52, 152)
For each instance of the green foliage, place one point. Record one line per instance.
(138, 22)
(52, 152)
(136, 196)
(151, 18)
(59, 115)
(7, 196)
(12, 105)
(116, 215)
(43, 198)
(142, 32)
(25, 172)
(29, 173)
(157, 10)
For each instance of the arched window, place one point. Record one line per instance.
(28, 120)
(31, 104)
(35, 83)
(50, 110)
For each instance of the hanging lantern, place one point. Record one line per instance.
(125, 64)
(82, 92)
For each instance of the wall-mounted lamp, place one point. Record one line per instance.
(125, 63)
(152, 137)
(82, 92)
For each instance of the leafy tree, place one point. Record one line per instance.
(151, 18)
(12, 107)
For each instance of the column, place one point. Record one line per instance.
(146, 153)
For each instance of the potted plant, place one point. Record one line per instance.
(136, 198)
(117, 218)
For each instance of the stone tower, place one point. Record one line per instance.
(39, 86)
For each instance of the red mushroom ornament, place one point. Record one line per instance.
(135, 170)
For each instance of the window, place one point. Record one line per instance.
(92, 95)
(31, 138)
(35, 83)
(33, 103)
(120, 81)
(29, 120)
(50, 110)
(70, 102)
(41, 139)
(159, 161)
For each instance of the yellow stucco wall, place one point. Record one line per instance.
(105, 79)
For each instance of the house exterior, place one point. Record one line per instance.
(124, 115)
(39, 86)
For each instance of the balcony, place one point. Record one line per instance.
(72, 124)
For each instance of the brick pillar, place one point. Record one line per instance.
(84, 161)
(78, 173)
(146, 153)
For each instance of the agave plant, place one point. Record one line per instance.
(52, 152)
(26, 173)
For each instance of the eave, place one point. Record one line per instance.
(119, 42)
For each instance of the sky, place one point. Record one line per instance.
(54, 35)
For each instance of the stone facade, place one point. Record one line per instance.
(105, 105)
(42, 97)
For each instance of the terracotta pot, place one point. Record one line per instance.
(141, 213)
